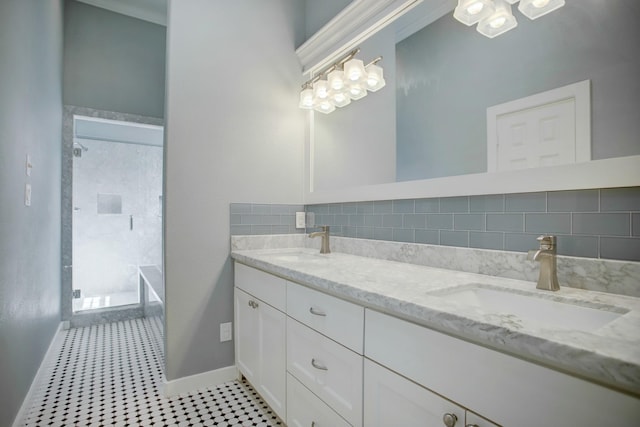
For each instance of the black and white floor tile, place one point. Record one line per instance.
(111, 375)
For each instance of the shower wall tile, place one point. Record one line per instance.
(588, 223)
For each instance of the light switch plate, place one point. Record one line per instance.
(300, 219)
(27, 195)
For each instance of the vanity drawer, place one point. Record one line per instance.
(339, 320)
(331, 371)
(305, 409)
(264, 286)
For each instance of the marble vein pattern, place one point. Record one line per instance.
(610, 276)
(608, 355)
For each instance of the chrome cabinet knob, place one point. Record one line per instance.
(472, 425)
(449, 420)
(253, 304)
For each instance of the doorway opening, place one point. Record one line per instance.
(113, 225)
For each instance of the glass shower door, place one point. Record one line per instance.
(116, 220)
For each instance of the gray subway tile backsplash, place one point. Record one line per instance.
(588, 223)
(526, 202)
(505, 222)
(620, 199)
(573, 201)
(607, 224)
(260, 218)
(549, 223)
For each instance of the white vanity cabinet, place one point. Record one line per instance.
(260, 334)
(505, 389)
(392, 400)
(324, 352)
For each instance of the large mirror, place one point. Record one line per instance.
(427, 129)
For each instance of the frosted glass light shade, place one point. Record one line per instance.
(325, 106)
(340, 98)
(306, 99)
(499, 22)
(321, 90)
(534, 9)
(470, 12)
(375, 79)
(354, 70)
(336, 80)
(357, 90)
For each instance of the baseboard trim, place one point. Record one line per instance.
(54, 347)
(199, 381)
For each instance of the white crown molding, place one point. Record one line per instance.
(148, 10)
(355, 23)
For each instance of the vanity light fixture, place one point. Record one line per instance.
(346, 80)
(494, 17)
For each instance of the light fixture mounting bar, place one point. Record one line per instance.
(332, 67)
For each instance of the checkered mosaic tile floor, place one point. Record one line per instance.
(110, 375)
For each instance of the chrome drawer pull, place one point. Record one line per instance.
(319, 366)
(317, 312)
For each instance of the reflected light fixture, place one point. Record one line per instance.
(494, 17)
(346, 80)
(499, 22)
(534, 9)
(470, 12)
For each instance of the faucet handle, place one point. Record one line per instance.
(547, 242)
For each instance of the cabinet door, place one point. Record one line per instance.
(261, 348)
(305, 409)
(475, 420)
(391, 400)
(272, 357)
(246, 336)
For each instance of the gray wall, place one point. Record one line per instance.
(30, 122)
(448, 74)
(113, 62)
(234, 133)
(318, 13)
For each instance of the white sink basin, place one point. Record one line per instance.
(297, 256)
(534, 309)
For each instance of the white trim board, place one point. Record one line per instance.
(199, 381)
(54, 348)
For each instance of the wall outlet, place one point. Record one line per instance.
(225, 331)
(300, 220)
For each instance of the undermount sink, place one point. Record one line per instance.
(533, 309)
(297, 256)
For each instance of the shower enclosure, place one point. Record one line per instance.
(116, 217)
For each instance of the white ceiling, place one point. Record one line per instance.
(148, 10)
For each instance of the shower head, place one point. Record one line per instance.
(78, 149)
(82, 146)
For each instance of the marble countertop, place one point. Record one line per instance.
(608, 354)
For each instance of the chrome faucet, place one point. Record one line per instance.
(324, 249)
(546, 255)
